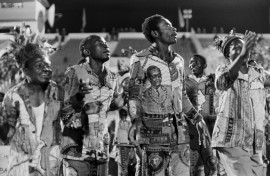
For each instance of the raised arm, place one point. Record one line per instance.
(226, 76)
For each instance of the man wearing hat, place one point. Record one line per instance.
(122, 147)
(238, 134)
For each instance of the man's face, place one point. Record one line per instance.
(155, 78)
(196, 66)
(235, 48)
(39, 70)
(100, 50)
(167, 33)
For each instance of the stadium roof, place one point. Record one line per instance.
(43, 2)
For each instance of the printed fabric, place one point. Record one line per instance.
(96, 138)
(28, 150)
(241, 114)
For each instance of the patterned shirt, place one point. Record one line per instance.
(158, 107)
(241, 114)
(97, 137)
(27, 147)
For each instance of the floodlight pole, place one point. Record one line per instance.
(187, 14)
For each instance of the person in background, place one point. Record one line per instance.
(122, 143)
(122, 151)
(201, 92)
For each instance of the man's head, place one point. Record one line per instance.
(154, 76)
(35, 63)
(95, 47)
(230, 45)
(233, 49)
(158, 28)
(197, 64)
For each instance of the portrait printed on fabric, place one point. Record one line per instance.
(157, 96)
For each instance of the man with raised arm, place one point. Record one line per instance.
(238, 135)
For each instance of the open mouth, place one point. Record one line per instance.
(107, 52)
(45, 75)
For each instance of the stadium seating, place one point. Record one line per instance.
(66, 55)
(137, 44)
(206, 42)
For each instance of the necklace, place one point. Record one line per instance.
(162, 102)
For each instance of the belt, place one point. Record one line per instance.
(159, 120)
(160, 116)
(92, 156)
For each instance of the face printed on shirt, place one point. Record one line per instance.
(155, 76)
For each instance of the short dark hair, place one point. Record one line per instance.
(202, 59)
(29, 52)
(151, 24)
(87, 43)
(149, 69)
